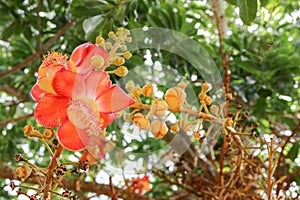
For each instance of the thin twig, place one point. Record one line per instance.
(23, 117)
(38, 53)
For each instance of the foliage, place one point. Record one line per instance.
(262, 49)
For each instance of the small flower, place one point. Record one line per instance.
(158, 128)
(175, 97)
(175, 128)
(140, 184)
(159, 108)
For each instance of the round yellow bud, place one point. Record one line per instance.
(143, 124)
(97, 61)
(158, 128)
(111, 34)
(175, 97)
(159, 108)
(127, 55)
(119, 61)
(137, 117)
(121, 71)
(100, 40)
(23, 171)
(148, 90)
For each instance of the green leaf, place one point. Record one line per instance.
(294, 151)
(248, 9)
(232, 2)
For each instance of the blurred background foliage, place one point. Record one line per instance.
(264, 60)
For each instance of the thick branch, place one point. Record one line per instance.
(70, 184)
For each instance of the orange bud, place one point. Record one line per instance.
(206, 87)
(148, 90)
(207, 100)
(175, 97)
(143, 124)
(137, 91)
(175, 128)
(197, 134)
(137, 117)
(158, 128)
(121, 71)
(100, 40)
(159, 108)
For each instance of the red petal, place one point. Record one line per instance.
(51, 110)
(69, 138)
(108, 119)
(69, 84)
(36, 92)
(82, 55)
(96, 84)
(113, 100)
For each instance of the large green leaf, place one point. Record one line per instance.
(294, 151)
(248, 9)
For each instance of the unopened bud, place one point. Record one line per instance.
(48, 133)
(175, 97)
(148, 90)
(159, 108)
(137, 117)
(97, 61)
(175, 128)
(121, 71)
(158, 128)
(144, 124)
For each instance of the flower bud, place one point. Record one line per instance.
(48, 133)
(100, 40)
(148, 90)
(137, 117)
(175, 97)
(127, 55)
(23, 171)
(158, 128)
(121, 71)
(206, 87)
(197, 134)
(143, 124)
(119, 61)
(208, 100)
(159, 108)
(175, 128)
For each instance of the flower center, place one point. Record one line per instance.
(84, 115)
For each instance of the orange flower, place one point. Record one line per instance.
(83, 105)
(140, 184)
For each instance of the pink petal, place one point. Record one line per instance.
(51, 110)
(96, 84)
(82, 55)
(36, 92)
(68, 136)
(69, 84)
(113, 100)
(108, 119)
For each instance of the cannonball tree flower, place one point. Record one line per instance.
(82, 105)
(80, 62)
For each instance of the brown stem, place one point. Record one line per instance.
(5, 122)
(7, 173)
(49, 175)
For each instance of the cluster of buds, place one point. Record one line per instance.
(158, 110)
(117, 52)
